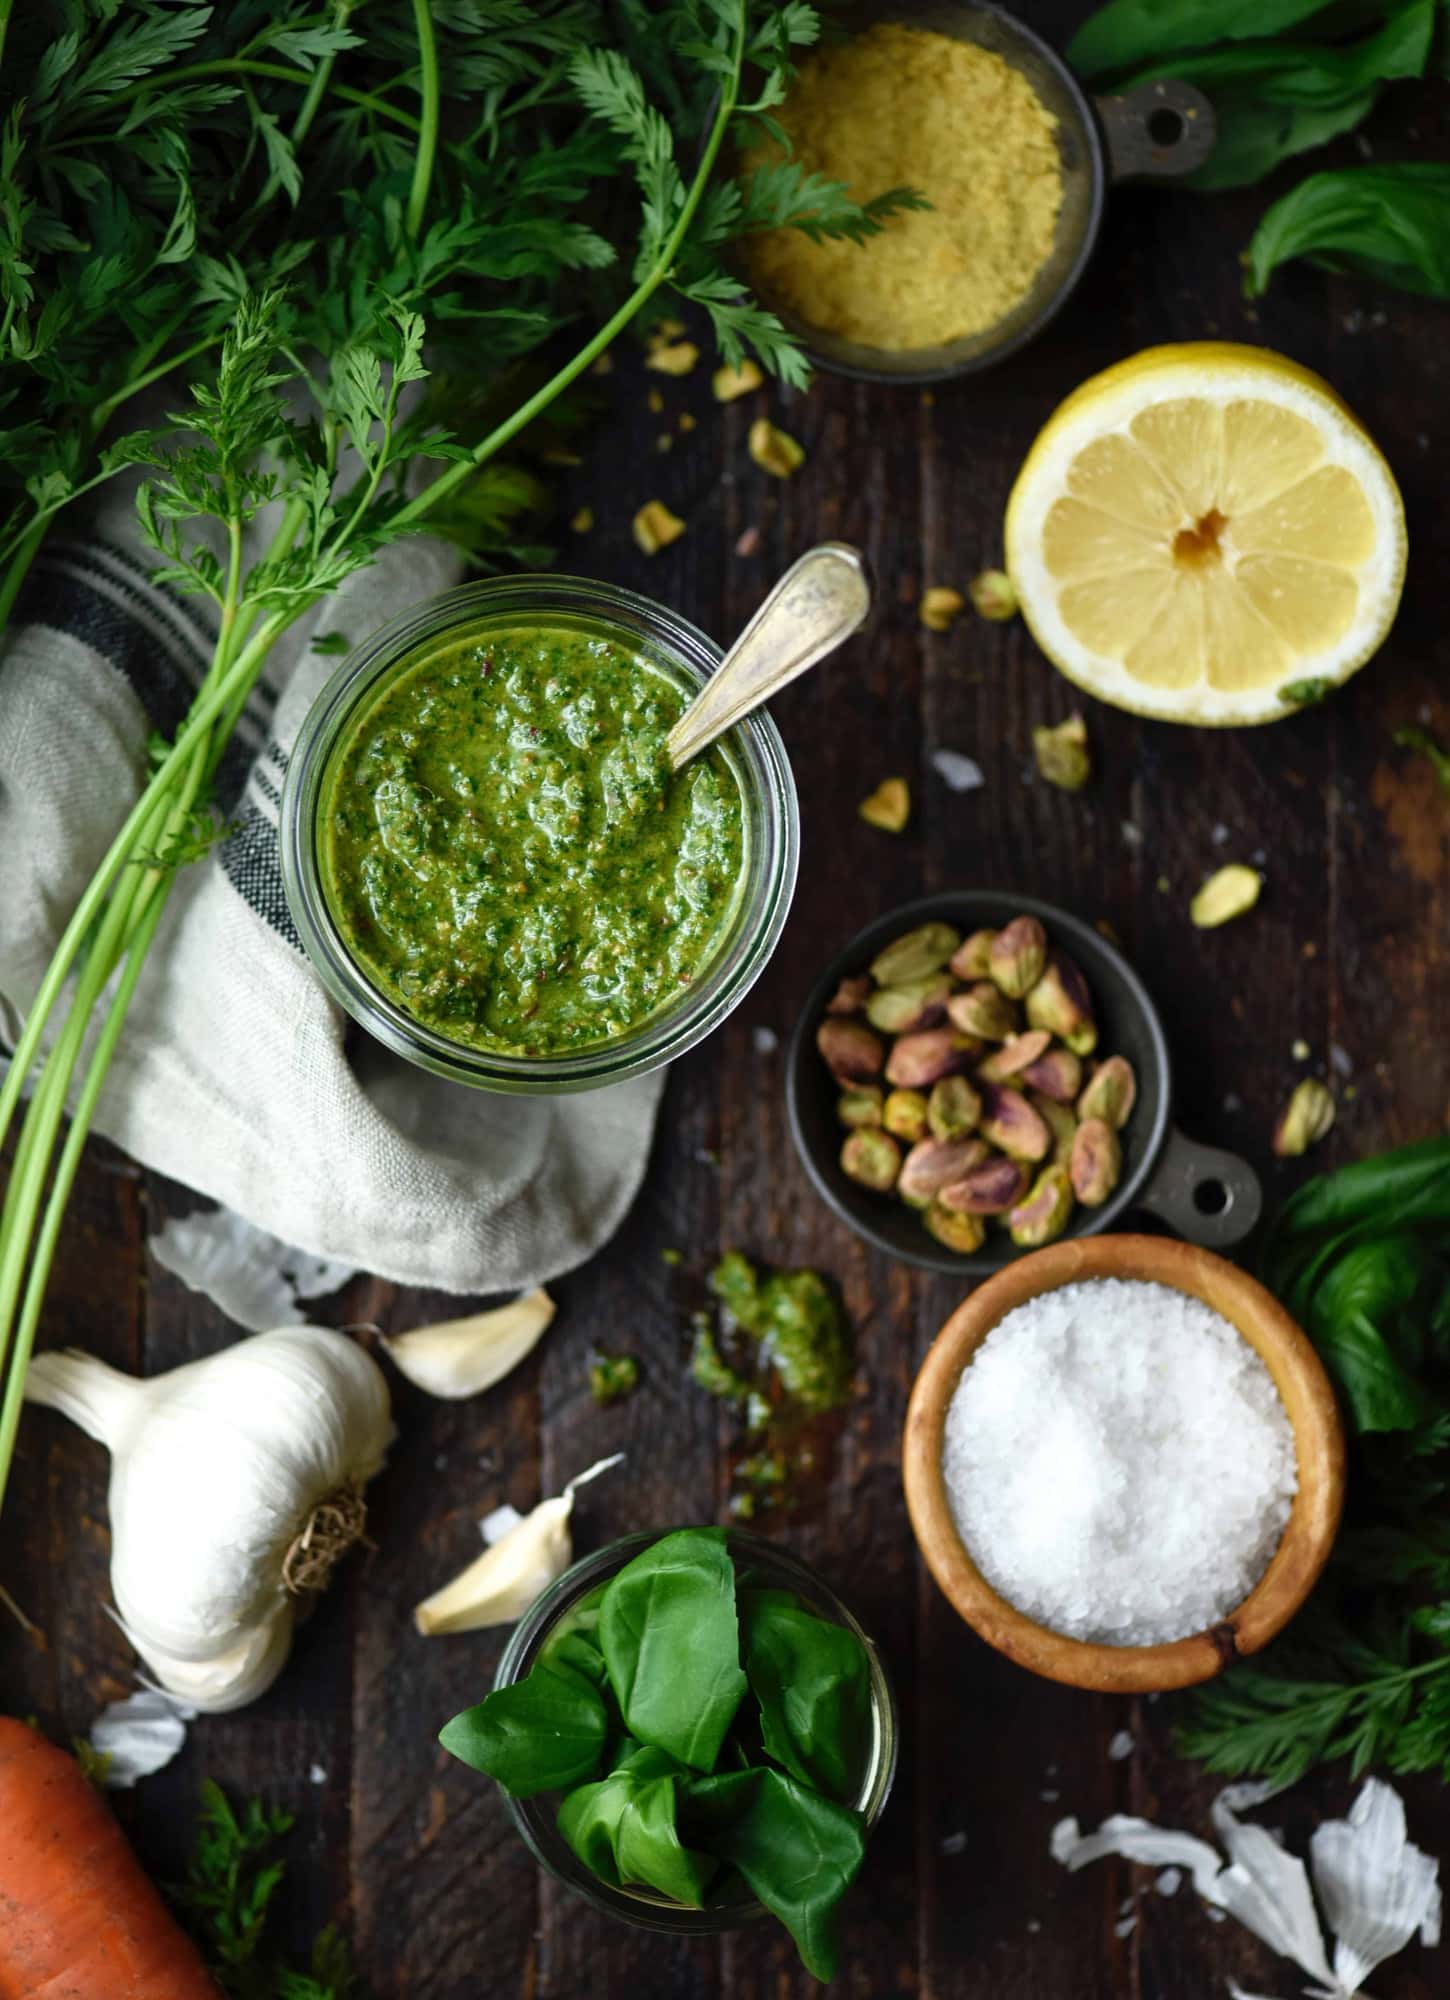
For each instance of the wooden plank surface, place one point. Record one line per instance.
(414, 1854)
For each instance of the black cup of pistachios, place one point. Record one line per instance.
(979, 1073)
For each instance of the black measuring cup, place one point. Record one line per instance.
(1157, 132)
(1205, 1194)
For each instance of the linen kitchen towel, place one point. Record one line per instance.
(236, 1072)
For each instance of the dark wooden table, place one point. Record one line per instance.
(413, 1853)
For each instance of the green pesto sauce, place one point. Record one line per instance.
(505, 852)
(798, 1323)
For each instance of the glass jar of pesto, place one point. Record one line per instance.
(568, 1601)
(488, 860)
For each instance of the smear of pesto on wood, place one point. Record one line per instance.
(505, 852)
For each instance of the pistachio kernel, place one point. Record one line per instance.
(1062, 754)
(678, 357)
(730, 383)
(992, 594)
(1305, 1119)
(940, 608)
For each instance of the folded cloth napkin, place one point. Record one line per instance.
(236, 1073)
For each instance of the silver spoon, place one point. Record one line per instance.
(819, 602)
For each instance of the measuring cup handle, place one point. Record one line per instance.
(1188, 1172)
(1158, 131)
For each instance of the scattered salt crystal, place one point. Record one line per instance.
(765, 1041)
(1167, 1883)
(1132, 835)
(1033, 1927)
(1340, 1060)
(1220, 835)
(316, 1775)
(1125, 1927)
(1233, 1102)
(1118, 1462)
(502, 1521)
(1121, 1746)
(1049, 1798)
(963, 774)
(955, 1843)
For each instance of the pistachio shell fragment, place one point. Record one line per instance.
(940, 608)
(889, 806)
(873, 1158)
(904, 1113)
(1225, 895)
(972, 960)
(460, 1357)
(993, 595)
(965, 1233)
(953, 1108)
(860, 1107)
(730, 383)
(1045, 1212)
(915, 955)
(850, 1051)
(1017, 956)
(934, 1164)
(655, 527)
(1062, 754)
(775, 451)
(1305, 1119)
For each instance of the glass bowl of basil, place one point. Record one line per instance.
(693, 1733)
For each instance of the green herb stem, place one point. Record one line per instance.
(447, 482)
(17, 565)
(430, 91)
(245, 66)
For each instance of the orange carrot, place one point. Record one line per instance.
(78, 1918)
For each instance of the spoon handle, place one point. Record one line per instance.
(820, 601)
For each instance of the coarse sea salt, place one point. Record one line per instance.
(1119, 1463)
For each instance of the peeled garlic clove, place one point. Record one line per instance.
(503, 1582)
(459, 1357)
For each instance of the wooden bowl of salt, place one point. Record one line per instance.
(1030, 1517)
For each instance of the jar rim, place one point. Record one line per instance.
(526, 1640)
(762, 771)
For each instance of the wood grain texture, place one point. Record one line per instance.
(961, 1900)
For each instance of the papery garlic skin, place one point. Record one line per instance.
(461, 1357)
(216, 1468)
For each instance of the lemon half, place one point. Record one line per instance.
(1201, 530)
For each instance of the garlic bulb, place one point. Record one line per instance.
(503, 1582)
(235, 1482)
(458, 1357)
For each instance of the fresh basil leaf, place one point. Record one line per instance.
(799, 1853)
(623, 1828)
(812, 1683)
(1275, 99)
(1406, 1188)
(539, 1734)
(1127, 33)
(1390, 224)
(579, 1651)
(668, 1629)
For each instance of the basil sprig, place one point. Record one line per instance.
(681, 1768)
